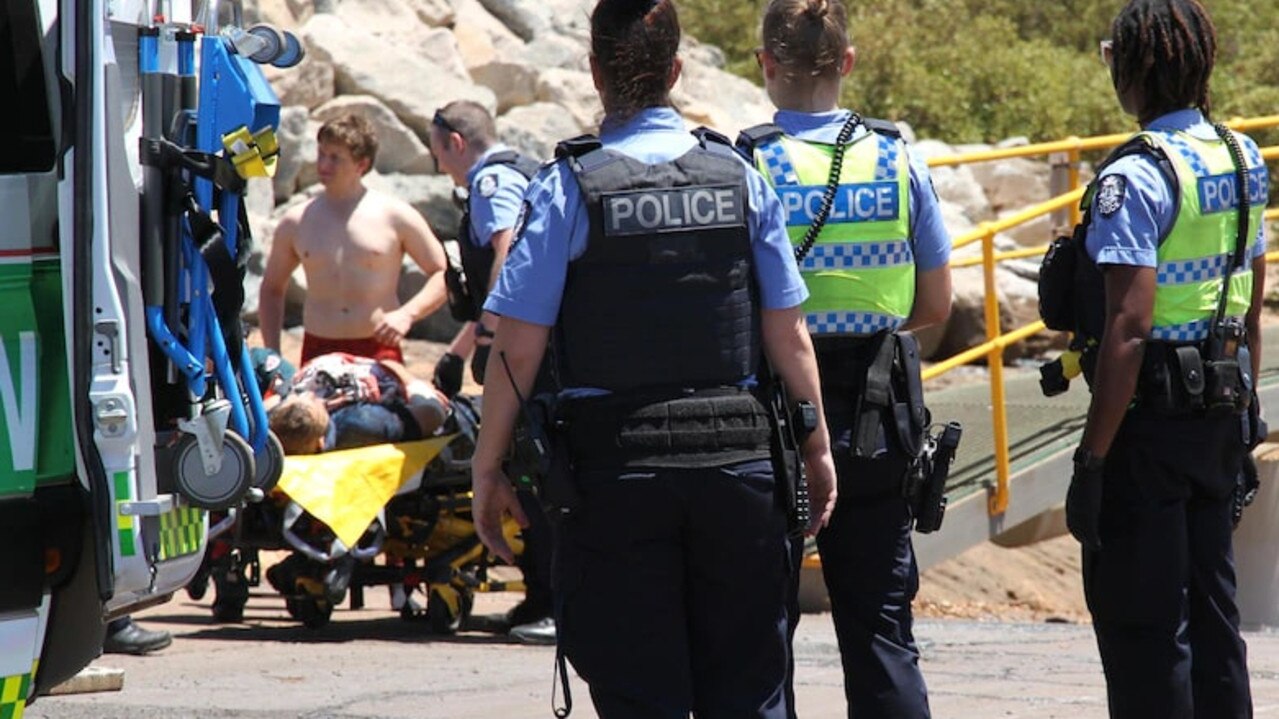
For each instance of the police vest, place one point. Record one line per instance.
(477, 262)
(664, 295)
(1194, 252)
(861, 271)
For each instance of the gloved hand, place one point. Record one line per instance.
(480, 360)
(1083, 506)
(448, 374)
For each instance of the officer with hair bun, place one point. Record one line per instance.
(876, 265)
(1167, 295)
(656, 263)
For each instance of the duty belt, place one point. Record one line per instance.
(705, 428)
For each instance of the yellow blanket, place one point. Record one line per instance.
(346, 489)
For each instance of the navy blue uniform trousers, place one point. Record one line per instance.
(674, 584)
(869, 566)
(1162, 588)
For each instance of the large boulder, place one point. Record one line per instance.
(397, 74)
(399, 149)
(396, 18)
(1013, 183)
(574, 91)
(430, 195)
(482, 38)
(707, 95)
(310, 84)
(553, 50)
(535, 129)
(1018, 306)
(959, 186)
(513, 83)
(526, 18)
(296, 138)
(436, 13)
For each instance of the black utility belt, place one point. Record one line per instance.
(1193, 379)
(698, 429)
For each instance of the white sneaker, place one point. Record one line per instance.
(540, 632)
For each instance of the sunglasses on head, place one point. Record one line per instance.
(442, 122)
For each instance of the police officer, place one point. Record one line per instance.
(1170, 366)
(463, 141)
(875, 268)
(661, 263)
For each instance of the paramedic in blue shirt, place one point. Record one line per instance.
(660, 263)
(1155, 483)
(868, 560)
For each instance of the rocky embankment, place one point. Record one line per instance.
(397, 61)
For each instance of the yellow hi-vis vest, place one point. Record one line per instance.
(1193, 256)
(861, 271)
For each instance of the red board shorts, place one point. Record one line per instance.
(314, 346)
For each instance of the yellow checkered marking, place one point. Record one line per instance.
(181, 531)
(13, 694)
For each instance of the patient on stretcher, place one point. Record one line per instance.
(340, 401)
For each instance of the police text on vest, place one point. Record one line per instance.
(868, 202)
(644, 212)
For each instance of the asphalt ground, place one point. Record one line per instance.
(370, 664)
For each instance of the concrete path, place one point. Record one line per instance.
(369, 664)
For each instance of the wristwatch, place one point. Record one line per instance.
(1089, 461)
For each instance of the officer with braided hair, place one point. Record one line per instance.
(657, 263)
(1166, 298)
(876, 265)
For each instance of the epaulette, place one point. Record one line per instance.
(577, 146)
(715, 142)
(887, 128)
(753, 137)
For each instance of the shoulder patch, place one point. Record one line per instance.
(488, 185)
(1110, 194)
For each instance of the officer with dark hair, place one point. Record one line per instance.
(1165, 297)
(659, 262)
(491, 178)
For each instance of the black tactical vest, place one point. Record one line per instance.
(665, 295)
(477, 262)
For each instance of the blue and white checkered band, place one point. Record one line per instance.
(1253, 153)
(1189, 332)
(857, 255)
(850, 323)
(778, 164)
(1181, 272)
(1187, 153)
(886, 163)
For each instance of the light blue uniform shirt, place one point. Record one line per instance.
(499, 209)
(1147, 210)
(555, 232)
(928, 234)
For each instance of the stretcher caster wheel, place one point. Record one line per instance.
(232, 594)
(199, 584)
(446, 607)
(273, 44)
(291, 54)
(221, 490)
(313, 612)
(269, 464)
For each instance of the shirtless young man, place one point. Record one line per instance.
(350, 241)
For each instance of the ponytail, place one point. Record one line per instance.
(635, 43)
(807, 37)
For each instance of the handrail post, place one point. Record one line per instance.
(999, 500)
(1075, 215)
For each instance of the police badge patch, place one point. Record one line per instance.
(1110, 195)
(488, 185)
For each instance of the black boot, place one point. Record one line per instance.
(125, 637)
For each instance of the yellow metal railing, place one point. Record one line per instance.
(996, 342)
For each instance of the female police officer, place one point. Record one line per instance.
(1169, 311)
(877, 266)
(662, 263)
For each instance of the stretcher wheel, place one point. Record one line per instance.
(232, 593)
(292, 53)
(313, 612)
(221, 490)
(269, 464)
(274, 44)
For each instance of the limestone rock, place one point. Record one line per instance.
(297, 149)
(302, 9)
(436, 13)
(514, 83)
(575, 91)
(396, 18)
(526, 18)
(482, 38)
(1018, 306)
(707, 95)
(535, 129)
(1013, 183)
(399, 149)
(398, 75)
(958, 185)
(310, 84)
(552, 50)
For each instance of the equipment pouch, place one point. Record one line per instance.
(461, 303)
(875, 396)
(1190, 368)
(1057, 285)
(910, 415)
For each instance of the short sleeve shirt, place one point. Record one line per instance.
(496, 193)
